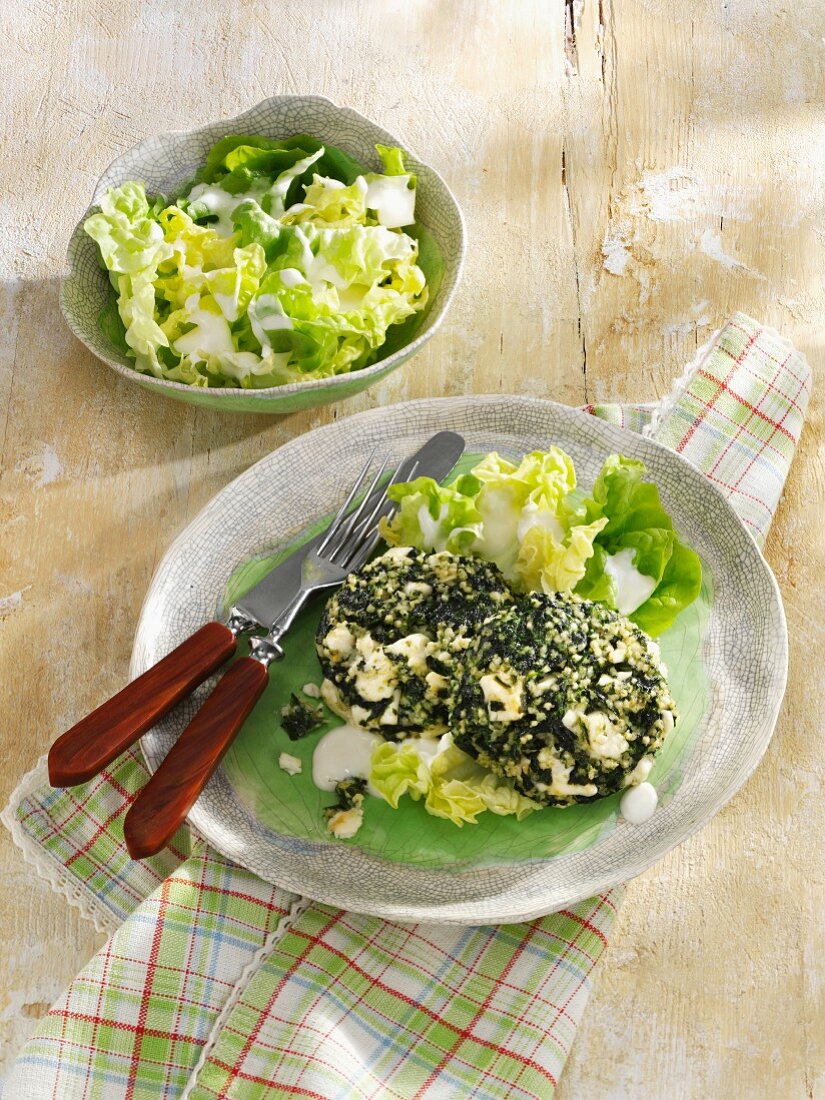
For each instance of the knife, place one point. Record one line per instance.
(84, 750)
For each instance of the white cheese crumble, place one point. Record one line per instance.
(413, 588)
(312, 691)
(606, 743)
(290, 764)
(346, 823)
(415, 648)
(340, 641)
(640, 772)
(375, 679)
(507, 697)
(560, 787)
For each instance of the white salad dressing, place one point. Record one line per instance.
(210, 336)
(266, 315)
(393, 201)
(344, 751)
(638, 804)
(431, 533)
(500, 518)
(229, 303)
(632, 587)
(280, 187)
(306, 252)
(222, 204)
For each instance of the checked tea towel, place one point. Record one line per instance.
(216, 984)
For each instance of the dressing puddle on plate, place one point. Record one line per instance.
(292, 806)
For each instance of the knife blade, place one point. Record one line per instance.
(263, 603)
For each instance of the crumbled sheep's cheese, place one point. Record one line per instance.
(390, 637)
(290, 764)
(503, 699)
(312, 691)
(346, 823)
(415, 648)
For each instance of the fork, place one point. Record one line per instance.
(162, 805)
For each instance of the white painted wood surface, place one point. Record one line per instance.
(631, 172)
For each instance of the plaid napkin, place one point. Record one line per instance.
(216, 984)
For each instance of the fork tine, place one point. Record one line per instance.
(365, 537)
(370, 521)
(354, 519)
(333, 527)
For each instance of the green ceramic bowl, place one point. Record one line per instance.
(166, 161)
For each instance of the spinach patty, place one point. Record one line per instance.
(390, 637)
(565, 697)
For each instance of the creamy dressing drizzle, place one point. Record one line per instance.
(266, 315)
(431, 528)
(342, 752)
(211, 335)
(222, 204)
(632, 587)
(392, 200)
(638, 804)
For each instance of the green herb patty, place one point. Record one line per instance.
(563, 696)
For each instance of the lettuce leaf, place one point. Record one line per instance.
(680, 585)
(637, 534)
(451, 783)
(512, 514)
(434, 517)
(546, 565)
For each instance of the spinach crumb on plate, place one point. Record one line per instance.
(298, 718)
(345, 818)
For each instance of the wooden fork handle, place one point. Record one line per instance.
(162, 805)
(97, 739)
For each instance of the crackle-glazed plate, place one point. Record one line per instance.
(726, 655)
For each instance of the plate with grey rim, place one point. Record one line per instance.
(744, 656)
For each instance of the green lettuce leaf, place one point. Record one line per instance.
(396, 770)
(434, 517)
(545, 564)
(616, 545)
(680, 585)
(512, 514)
(637, 530)
(451, 783)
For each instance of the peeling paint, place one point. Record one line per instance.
(42, 467)
(12, 602)
(711, 245)
(616, 255)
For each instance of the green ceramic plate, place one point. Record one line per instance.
(726, 657)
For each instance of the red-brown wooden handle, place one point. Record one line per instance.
(162, 805)
(97, 739)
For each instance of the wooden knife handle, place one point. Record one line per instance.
(97, 739)
(162, 805)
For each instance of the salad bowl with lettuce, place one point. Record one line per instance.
(283, 259)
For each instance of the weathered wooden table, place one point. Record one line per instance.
(631, 172)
